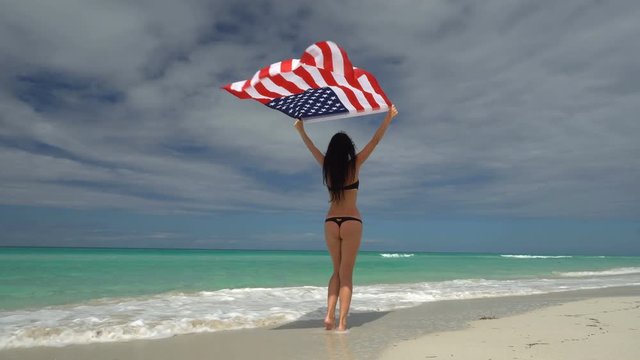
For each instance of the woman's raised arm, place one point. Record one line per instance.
(368, 149)
(307, 141)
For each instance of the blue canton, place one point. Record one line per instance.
(312, 102)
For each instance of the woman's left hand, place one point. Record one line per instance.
(299, 125)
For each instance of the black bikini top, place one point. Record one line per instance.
(353, 186)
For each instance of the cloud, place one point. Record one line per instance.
(518, 109)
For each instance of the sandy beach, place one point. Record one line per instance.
(584, 324)
(600, 328)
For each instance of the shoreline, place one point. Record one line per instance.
(369, 335)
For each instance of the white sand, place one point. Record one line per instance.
(600, 328)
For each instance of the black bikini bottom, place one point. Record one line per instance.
(340, 219)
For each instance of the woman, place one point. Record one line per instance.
(343, 225)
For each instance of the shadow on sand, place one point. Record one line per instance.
(355, 319)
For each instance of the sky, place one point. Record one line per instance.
(517, 130)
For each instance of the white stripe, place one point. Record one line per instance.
(255, 78)
(291, 77)
(237, 86)
(315, 74)
(316, 52)
(366, 85)
(294, 64)
(341, 80)
(255, 94)
(343, 99)
(340, 116)
(271, 86)
(336, 54)
(274, 69)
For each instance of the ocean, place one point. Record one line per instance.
(60, 296)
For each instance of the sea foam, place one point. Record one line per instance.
(609, 272)
(170, 314)
(537, 256)
(395, 255)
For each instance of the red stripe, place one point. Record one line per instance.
(308, 59)
(372, 101)
(266, 92)
(300, 71)
(281, 81)
(286, 65)
(352, 81)
(264, 72)
(240, 94)
(348, 67)
(327, 56)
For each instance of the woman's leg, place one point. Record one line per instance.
(351, 235)
(332, 237)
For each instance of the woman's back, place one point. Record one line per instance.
(346, 206)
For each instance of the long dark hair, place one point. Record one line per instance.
(339, 163)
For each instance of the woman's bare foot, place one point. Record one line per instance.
(329, 323)
(342, 327)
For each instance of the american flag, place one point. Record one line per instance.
(322, 85)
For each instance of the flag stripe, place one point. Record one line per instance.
(344, 98)
(275, 89)
(300, 71)
(264, 72)
(255, 94)
(296, 80)
(286, 65)
(348, 67)
(275, 69)
(291, 86)
(366, 85)
(327, 57)
(239, 94)
(310, 56)
(374, 84)
(255, 78)
(339, 65)
(238, 85)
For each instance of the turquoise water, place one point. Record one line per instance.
(60, 296)
(37, 277)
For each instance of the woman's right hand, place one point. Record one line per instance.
(298, 125)
(393, 111)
